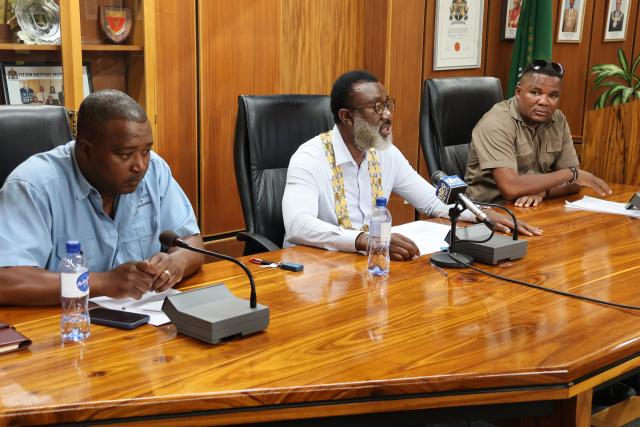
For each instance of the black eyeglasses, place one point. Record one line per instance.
(547, 67)
(378, 107)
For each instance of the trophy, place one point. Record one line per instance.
(115, 22)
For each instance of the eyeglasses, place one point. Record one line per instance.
(378, 107)
(540, 65)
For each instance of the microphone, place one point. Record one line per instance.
(451, 189)
(170, 239)
(213, 313)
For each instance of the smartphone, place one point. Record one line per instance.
(117, 318)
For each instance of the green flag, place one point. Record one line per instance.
(533, 38)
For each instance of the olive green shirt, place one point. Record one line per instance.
(502, 139)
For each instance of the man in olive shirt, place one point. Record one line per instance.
(522, 149)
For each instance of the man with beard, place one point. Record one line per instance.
(334, 178)
(106, 189)
(522, 148)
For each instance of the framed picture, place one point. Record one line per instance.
(458, 34)
(510, 17)
(615, 26)
(37, 83)
(570, 19)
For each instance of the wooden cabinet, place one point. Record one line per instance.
(129, 66)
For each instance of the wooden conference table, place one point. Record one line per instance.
(340, 344)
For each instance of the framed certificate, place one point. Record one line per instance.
(458, 34)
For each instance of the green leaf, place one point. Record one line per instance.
(622, 59)
(605, 84)
(626, 94)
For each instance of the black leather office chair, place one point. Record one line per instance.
(269, 129)
(449, 111)
(28, 130)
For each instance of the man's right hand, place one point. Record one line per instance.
(402, 248)
(132, 279)
(587, 179)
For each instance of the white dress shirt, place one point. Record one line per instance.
(308, 205)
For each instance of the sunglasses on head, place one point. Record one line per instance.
(540, 65)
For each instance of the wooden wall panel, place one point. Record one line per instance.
(575, 58)
(320, 41)
(403, 80)
(263, 47)
(176, 91)
(239, 54)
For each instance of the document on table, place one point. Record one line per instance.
(594, 204)
(150, 304)
(428, 236)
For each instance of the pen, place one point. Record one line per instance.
(262, 261)
(444, 273)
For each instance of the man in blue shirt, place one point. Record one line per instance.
(108, 190)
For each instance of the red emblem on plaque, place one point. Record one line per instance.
(115, 22)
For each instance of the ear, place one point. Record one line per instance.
(83, 147)
(346, 116)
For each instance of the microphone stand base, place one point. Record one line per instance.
(442, 259)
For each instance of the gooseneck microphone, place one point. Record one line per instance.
(170, 239)
(451, 189)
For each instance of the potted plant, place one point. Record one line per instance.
(621, 81)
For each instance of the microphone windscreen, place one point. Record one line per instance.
(437, 176)
(168, 238)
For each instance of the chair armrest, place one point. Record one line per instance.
(256, 243)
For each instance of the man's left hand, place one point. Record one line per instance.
(505, 224)
(167, 273)
(527, 201)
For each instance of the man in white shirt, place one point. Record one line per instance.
(334, 178)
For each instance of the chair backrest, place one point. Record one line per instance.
(269, 129)
(28, 130)
(449, 111)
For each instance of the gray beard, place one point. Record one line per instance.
(366, 136)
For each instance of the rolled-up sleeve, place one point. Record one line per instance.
(25, 235)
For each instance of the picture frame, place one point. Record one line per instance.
(37, 83)
(511, 10)
(570, 20)
(615, 24)
(458, 34)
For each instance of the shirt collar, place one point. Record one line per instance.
(340, 150)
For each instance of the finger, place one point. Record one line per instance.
(161, 280)
(528, 202)
(536, 201)
(503, 225)
(519, 202)
(406, 243)
(396, 256)
(147, 268)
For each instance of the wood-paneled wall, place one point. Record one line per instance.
(301, 46)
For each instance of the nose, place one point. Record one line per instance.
(543, 100)
(386, 113)
(139, 163)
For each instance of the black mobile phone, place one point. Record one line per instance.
(117, 318)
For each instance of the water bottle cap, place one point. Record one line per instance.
(73, 247)
(381, 202)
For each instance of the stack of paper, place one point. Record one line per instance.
(603, 206)
(150, 304)
(428, 236)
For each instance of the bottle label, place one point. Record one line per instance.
(385, 231)
(74, 285)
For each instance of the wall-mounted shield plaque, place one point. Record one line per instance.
(115, 22)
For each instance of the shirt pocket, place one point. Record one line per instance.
(89, 247)
(525, 157)
(137, 240)
(552, 150)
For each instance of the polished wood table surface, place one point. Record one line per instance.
(340, 343)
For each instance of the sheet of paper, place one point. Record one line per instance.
(150, 303)
(594, 204)
(428, 236)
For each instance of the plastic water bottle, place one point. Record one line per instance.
(379, 239)
(74, 295)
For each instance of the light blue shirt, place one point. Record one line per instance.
(47, 201)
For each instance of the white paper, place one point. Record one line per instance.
(150, 304)
(428, 236)
(603, 206)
